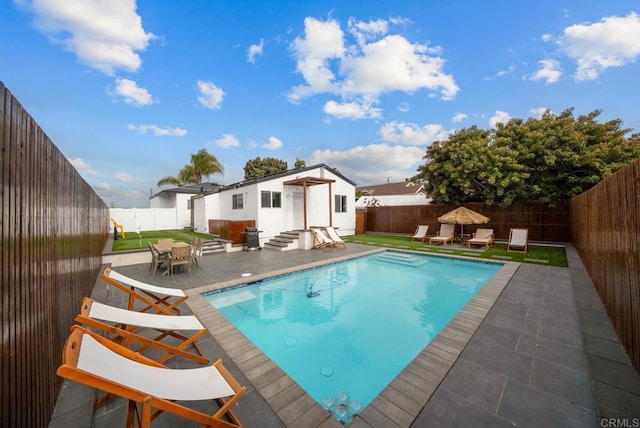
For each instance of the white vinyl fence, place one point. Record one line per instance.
(141, 219)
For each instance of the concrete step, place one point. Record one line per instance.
(283, 241)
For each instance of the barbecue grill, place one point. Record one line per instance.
(251, 239)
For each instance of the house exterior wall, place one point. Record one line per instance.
(163, 200)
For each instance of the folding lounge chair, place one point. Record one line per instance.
(160, 299)
(518, 240)
(481, 237)
(338, 242)
(320, 240)
(119, 325)
(445, 234)
(421, 233)
(95, 361)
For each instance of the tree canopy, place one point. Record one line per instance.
(202, 165)
(548, 159)
(258, 168)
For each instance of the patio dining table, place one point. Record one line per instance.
(164, 249)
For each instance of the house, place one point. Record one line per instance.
(392, 194)
(180, 198)
(296, 199)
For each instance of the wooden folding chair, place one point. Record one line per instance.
(160, 299)
(95, 361)
(320, 240)
(120, 325)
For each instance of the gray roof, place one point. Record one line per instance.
(192, 189)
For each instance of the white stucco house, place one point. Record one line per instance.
(296, 199)
(180, 199)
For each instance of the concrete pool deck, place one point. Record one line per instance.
(533, 348)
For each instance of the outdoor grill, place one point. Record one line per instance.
(251, 239)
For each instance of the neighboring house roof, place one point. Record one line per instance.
(295, 171)
(392, 200)
(401, 188)
(191, 189)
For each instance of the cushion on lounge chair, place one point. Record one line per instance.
(481, 237)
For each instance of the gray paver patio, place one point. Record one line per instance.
(528, 355)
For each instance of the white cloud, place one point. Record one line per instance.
(227, 140)
(499, 117)
(273, 144)
(103, 186)
(254, 51)
(403, 107)
(374, 64)
(549, 71)
(501, 73)
(412, 134)
(538, 112)
(612, 42)
(132, 93)
(158, 131)
(106, 35)
(123, 177)
(373, 163)
(459, 117)
(210, 96)
(83, 167)
(351, 110)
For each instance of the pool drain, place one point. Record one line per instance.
(290, 343)
(326, 371)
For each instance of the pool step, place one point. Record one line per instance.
(403, 259)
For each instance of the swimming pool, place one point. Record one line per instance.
(353, 326)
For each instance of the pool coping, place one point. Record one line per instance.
(400, 402)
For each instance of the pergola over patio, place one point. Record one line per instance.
(312, 181)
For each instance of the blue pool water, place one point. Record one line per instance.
(353, 326)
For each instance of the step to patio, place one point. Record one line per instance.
(211, 246)
(403, 259)
(284, 241)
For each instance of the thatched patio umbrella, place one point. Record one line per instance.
(462, 216)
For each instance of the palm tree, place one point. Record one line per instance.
(202, 164)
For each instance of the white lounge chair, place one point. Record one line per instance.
(421, 233)
(518, 240)
(320, 240)
(161, 299)
(445, 234)
(337, 240)
(481, 237)
(95, 361)
(120, 325)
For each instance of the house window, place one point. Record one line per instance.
(237, 201)
(341, 203)
(271, 199)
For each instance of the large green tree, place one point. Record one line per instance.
(545, 159)
(258, 168)
(202, 165)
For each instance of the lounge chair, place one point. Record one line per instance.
(320, 240)
(120, 325)
(445, 234)
(338, 242)
(159, 299)
(481, 237)
(97, 362)
(518, 240)
(421, 233)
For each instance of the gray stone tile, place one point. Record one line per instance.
(479, 387)
(499, 360)
(495, 335)
(619, 375)
(615, 403)
(526, 406)
(609, 349)
(561, 333)
(446, 409)
(563, 382)
(515, 323)
(557, 353)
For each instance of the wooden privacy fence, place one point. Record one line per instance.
(606, 233)
(544, 223)
(53, 228)
(231, 230)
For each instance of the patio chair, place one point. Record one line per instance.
(421, 233)
(156, 259)
(338, 242)
(97, 362)
(196, 250)
(518, 240)
(120, 325)
(445, 234)
(159, 299)
(180, 256)
(481, 237)
(320, 240)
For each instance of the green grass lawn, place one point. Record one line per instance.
(538, 254)
(133, 241)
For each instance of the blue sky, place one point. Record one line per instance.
(128, 90)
